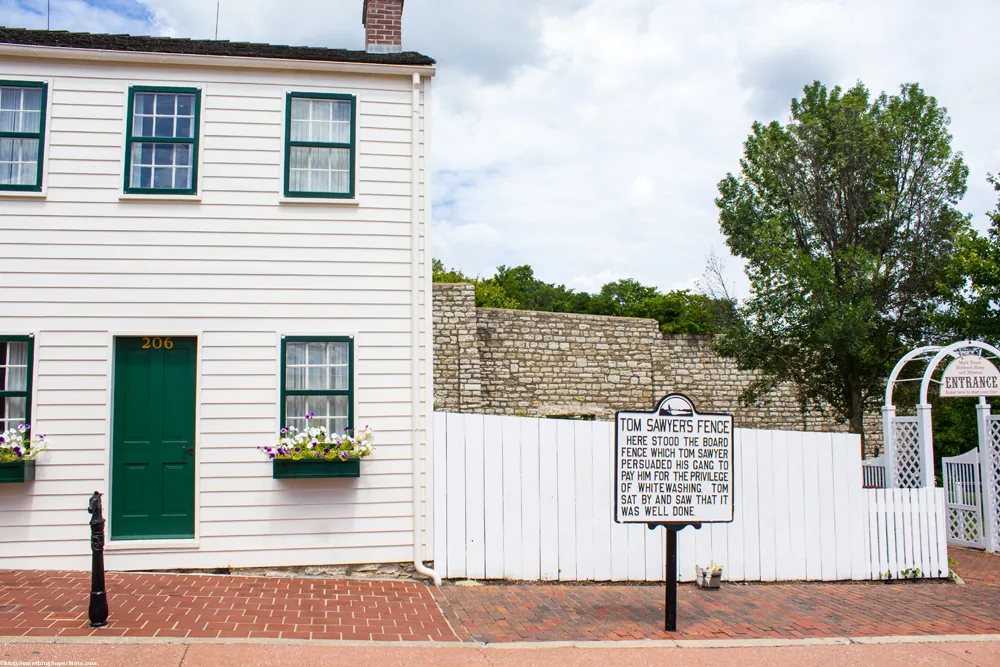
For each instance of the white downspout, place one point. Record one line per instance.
(418, 562)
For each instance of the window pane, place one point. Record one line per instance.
(144, 103)
(30, 121)
(14, 366)
(165, 104)
(163, 154)
(182, 179)
(10, 98)
(163, 127)
(32, 100)
(185, 105)
(316, 353)
(340, 182)
(13, 412)
(319, 181)
(300, 109)
(295, 353)
(163, 178)
(18, 161)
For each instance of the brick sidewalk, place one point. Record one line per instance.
(45, 604)
(537, 612)
(976, 567)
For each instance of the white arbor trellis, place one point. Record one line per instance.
(972, 480)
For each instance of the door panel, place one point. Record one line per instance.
(153, 438)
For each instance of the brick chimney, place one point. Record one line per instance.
(383, 21)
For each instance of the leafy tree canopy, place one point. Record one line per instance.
(846, 217)
(976, 310)
(678, 311)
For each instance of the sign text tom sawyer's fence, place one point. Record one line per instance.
(673, 468)
(673, 465)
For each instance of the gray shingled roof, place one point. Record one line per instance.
(205, 47)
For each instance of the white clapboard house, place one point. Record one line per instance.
(201, 241)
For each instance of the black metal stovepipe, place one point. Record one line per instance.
(98, 611)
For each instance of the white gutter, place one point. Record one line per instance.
(194, 60)
(418, 562)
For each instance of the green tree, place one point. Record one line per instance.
(976, 311)
(846, 219)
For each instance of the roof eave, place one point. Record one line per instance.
(201, 60)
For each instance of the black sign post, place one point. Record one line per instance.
(673, 468)
(670, 578)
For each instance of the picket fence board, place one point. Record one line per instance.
(530, 514)
(796, 509)
(583, 453)
(524, 498)
(548, 508)
(747, 468)
(603, 495)
(512, 501)
(440, 463)
(734, 564)
(566, 491)
(475, 498)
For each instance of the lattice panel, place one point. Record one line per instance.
(907, 450)
(963, 526)
(991, 484)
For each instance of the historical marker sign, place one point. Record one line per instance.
(970, 376)
(673, 465)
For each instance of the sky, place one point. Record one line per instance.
(587, 137)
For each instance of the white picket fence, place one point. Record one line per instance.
(526, 499)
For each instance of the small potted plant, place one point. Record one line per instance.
(18, 450)
(709, 577)
(314, 452)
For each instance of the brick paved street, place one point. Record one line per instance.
(180, 605)
(46, 604)
(536, 612)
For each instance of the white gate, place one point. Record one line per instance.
(963, 497)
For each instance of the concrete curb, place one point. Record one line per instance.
(624, 644)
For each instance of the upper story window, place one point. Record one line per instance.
(15, 380)
(161, 146)
(320, 138)
(22, 134)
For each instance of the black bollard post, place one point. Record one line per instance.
(98, 611)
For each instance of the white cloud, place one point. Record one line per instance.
(586, 137)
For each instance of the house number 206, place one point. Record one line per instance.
(157, 343)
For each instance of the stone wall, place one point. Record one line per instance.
(556, 364)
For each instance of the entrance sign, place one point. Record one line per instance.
(970, 376)
(673, 465)
(673, 468)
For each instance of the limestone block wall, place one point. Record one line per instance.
(557, 364)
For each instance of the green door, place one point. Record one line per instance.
(152, 447)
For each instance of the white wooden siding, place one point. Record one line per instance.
(236, 267)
